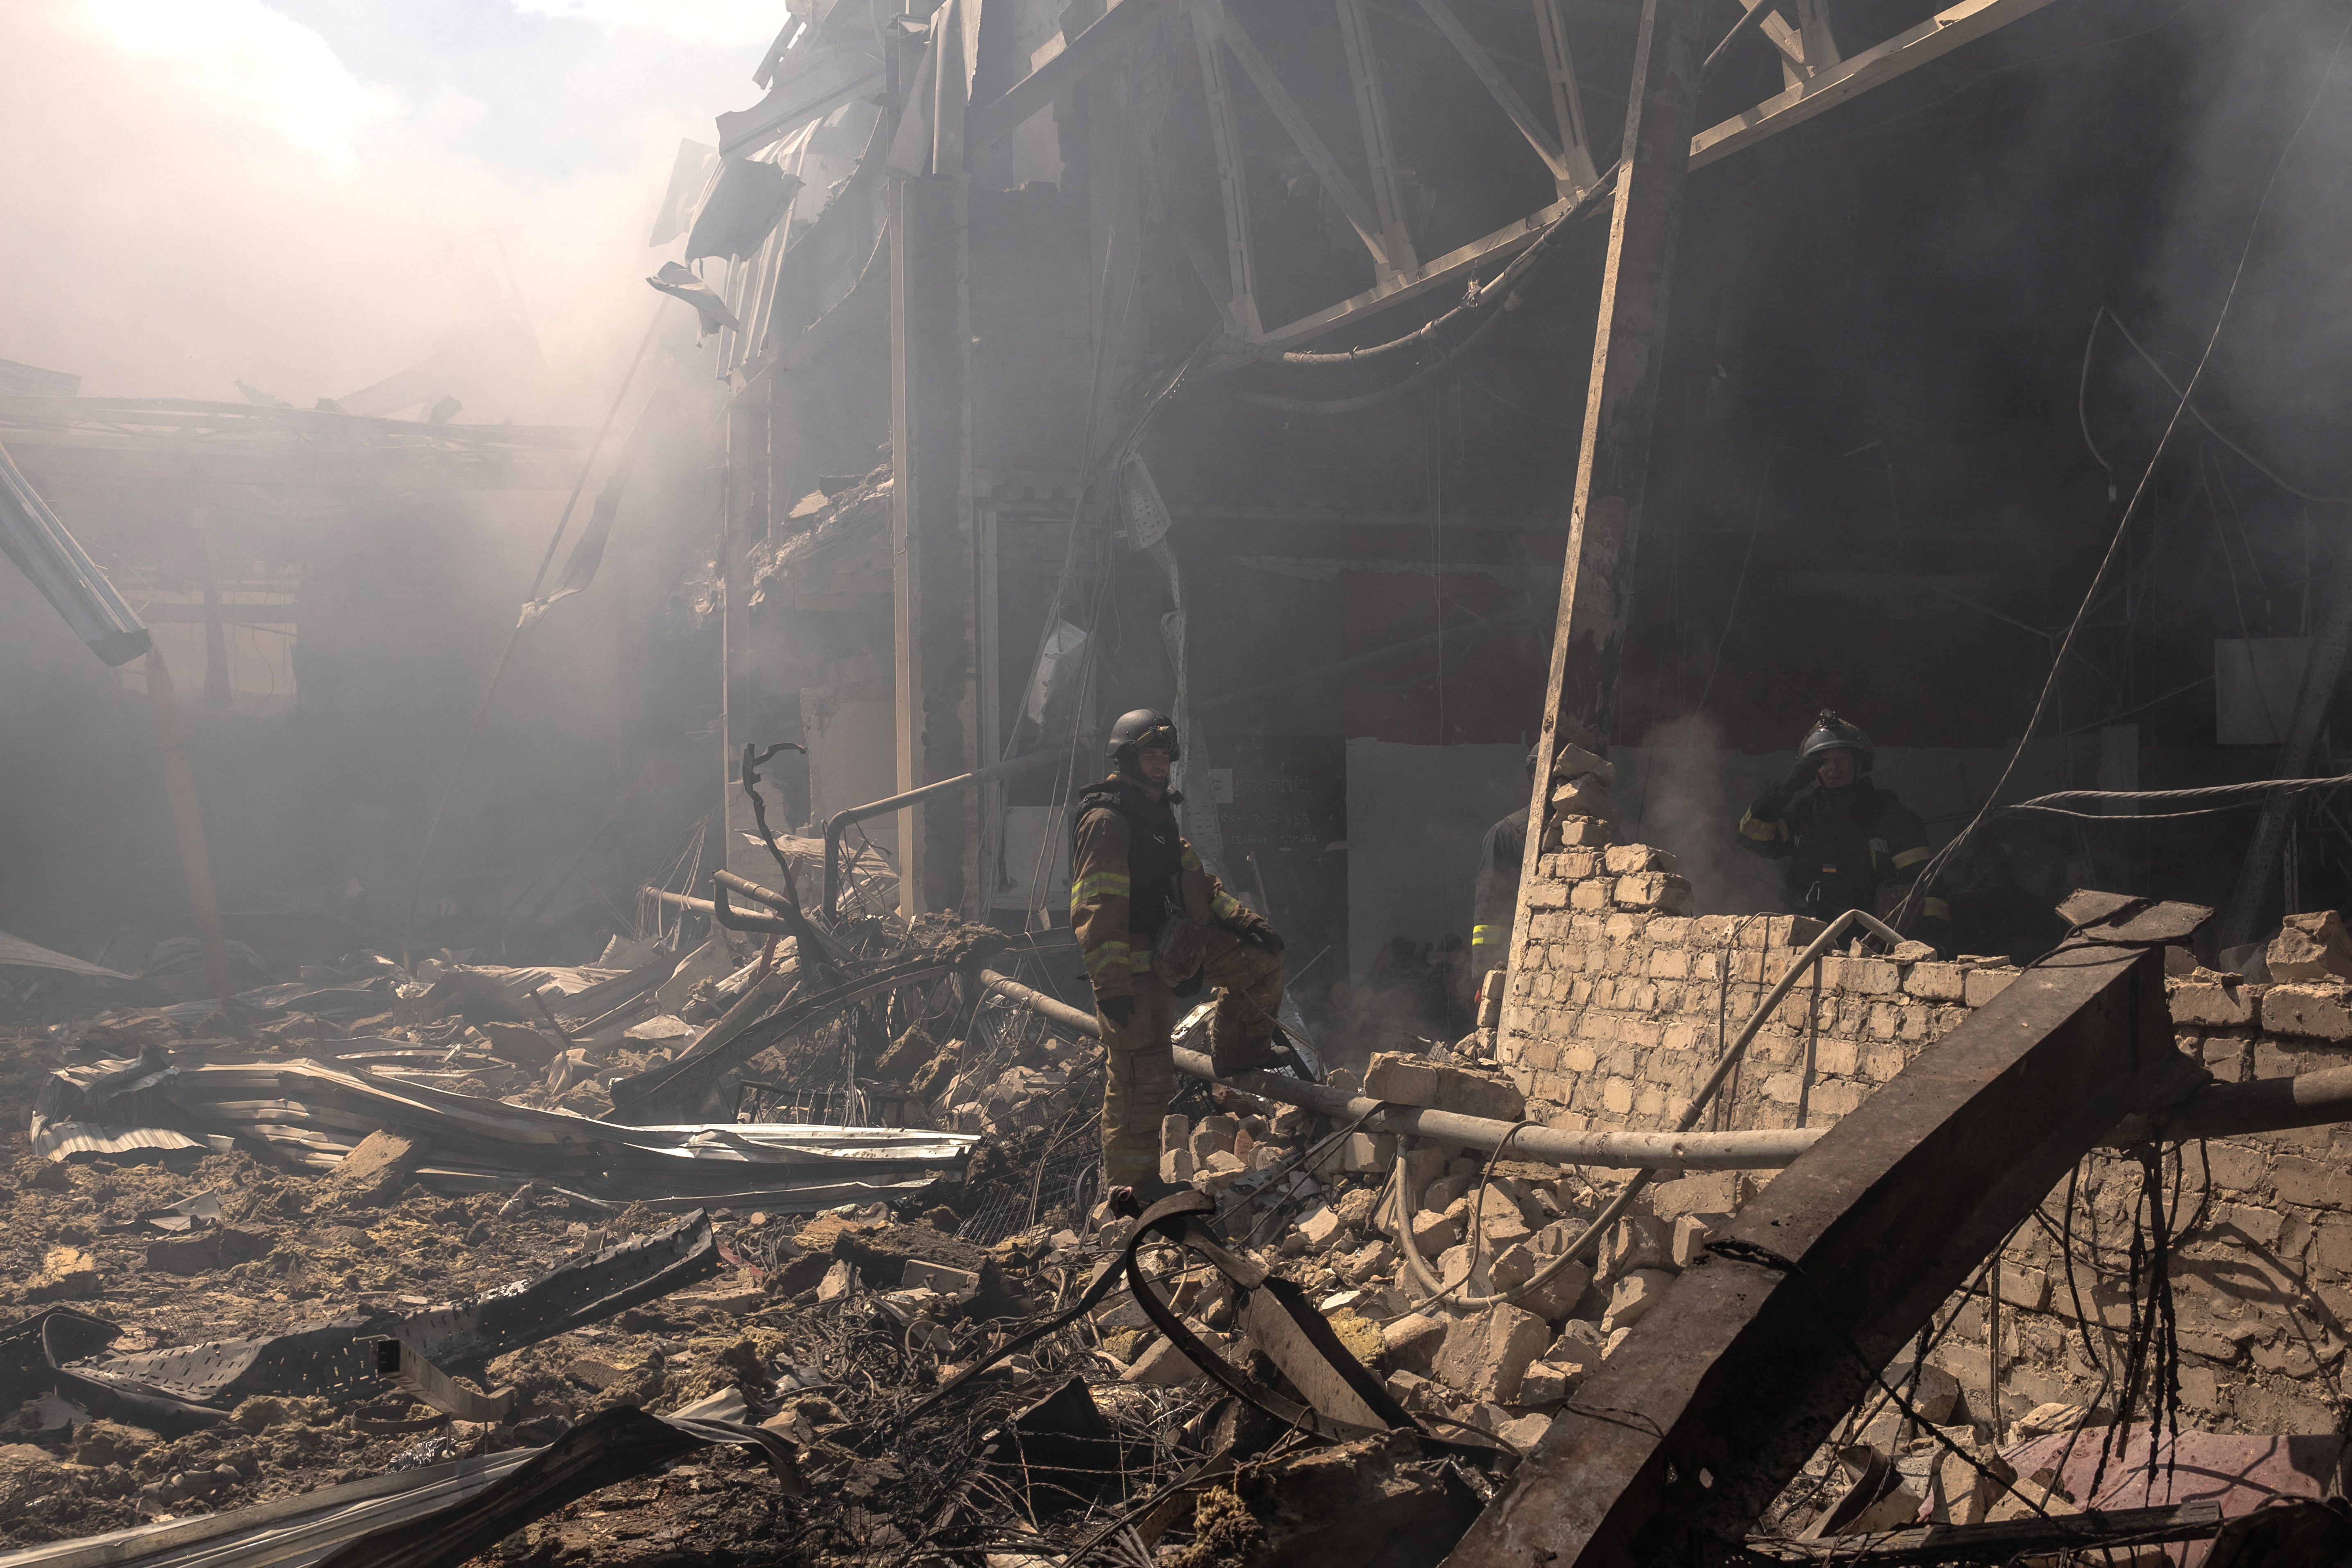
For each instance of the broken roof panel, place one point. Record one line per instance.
(31, 381)
(62, 570)
(830, 77)
(26, 954)
(689, 181)
(284, 1533)
(743, 210)
(316, 1113)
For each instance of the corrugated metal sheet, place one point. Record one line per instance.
(289, 1532)
(318, 1112)
(31, 536)
(16, 949)
(295, 1532)
(64, 1140)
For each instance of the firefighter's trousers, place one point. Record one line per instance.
(1139, 1076)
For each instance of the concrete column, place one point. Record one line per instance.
(745, 523)
(931, 537)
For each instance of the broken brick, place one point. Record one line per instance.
(1412, 1340)
(1637, 1241)
(1631, 1298)
(66, 1274)
(1485, 1355)
(378, 1166)
(1320, 1226)
(2312, 946)
(1546, 1383)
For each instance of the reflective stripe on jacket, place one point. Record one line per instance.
(1128, 866)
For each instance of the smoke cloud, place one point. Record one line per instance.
(313, 195)
(1687, 789)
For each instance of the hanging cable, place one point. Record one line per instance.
(1922, 883)
(2231, 797)
(2102, 313)
(1390, 393)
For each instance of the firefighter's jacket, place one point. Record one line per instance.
(1495, 891)
(1840, 847)
(1131, 872)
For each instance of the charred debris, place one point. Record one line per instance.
(414, 1266)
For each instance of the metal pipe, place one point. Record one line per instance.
(2218, 1110)
(1692, 1152)
(727, 879)
(1748, 21)
(42, 548)
(2228, 1110)
(752, 890)
(1700, 1152)
(840, 822)
(1037, 1001)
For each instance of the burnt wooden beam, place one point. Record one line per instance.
(1621, 398)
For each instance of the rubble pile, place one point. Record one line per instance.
(1471, 1340)
(825, 1330)
(386, 1239)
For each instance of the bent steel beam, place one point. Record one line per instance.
(841, 822)
(664, 1092)
(1719, 1394)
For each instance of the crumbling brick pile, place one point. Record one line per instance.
(1449, 1349)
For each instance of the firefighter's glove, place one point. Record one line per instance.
(1263, 935)
(1119, 1010)
(1775, 800)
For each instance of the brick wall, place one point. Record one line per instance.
(1617, 1004)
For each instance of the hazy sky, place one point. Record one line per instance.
(296, 192)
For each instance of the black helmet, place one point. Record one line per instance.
(1137, 730)
(1832, 733)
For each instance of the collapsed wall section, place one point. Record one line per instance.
(1618, 1003)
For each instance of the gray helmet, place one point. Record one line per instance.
(1137, 730)
(1832, 733)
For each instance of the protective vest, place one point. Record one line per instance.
(1155, 849)
(1846, 844)
(1495, 891)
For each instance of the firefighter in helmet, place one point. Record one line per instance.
(1155, 925)
(1495, 891)
(1843, 843)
